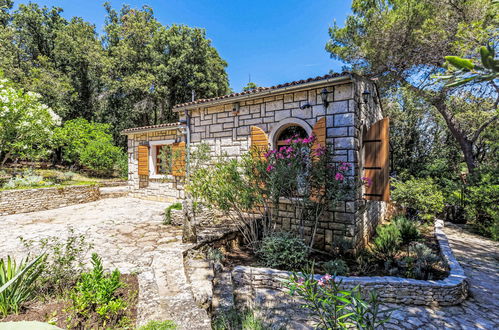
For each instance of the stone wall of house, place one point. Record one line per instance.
(263, 288)
(30, 200)
(165, 189)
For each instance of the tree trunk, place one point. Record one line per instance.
(189, 227)
(465, 144)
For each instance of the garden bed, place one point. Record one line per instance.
(55, 310)
(364, 264)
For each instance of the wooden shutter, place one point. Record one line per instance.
(376, 161)
(178, 159)
(259, 141)
(143, 154)
(319, 131)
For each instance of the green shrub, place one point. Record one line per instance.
(409, 230)
(17, 283)
(336, 267)
(63, 263)
(233, 319)
(387, 241)
(481, 207)
(101, 156)
(27, 179)
(424, 261)
(282, 250)
(159, 325)
(95, 293)
(422, 195)
(168, 212)
(89, 144)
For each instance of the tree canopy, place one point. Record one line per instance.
(131, 75)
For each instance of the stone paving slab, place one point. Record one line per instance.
(128, 234)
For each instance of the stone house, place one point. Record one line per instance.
(341, 110)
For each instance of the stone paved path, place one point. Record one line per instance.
(128, 234)
(480, 259)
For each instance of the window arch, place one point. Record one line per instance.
(286, 129)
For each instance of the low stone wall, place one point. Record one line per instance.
(264, 287)
(30, 200)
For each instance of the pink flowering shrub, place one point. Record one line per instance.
(303, 173)
(334, 307)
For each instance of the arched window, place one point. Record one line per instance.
(289, 132)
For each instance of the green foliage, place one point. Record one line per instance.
(95, 292)
(27, 180)
(334, 307)
(168, 212)
(408, 229)
(63, 263)
(481, 207)
(423, 262)
(159, 325)
(422, 195)
(336, 267)
(387, 242)
(283, 250)
(234, 319)
(89, 144)
(25, 124)
(17, 283)
(463, 71)
(250, 86)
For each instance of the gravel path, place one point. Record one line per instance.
(128, 235)
(480, 259)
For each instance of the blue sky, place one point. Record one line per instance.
(273, 41)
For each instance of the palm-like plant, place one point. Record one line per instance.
(17, 282)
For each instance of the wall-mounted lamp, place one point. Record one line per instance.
(324, 95)
(365, 96)
(235, 108)
(305, 105)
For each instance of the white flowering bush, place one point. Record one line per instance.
(26, 125)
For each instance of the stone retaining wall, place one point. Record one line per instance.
(263, 287)
(30, 200)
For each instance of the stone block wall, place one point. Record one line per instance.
(30, 200)
(164, 189)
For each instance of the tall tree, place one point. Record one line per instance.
(404, 42)
(152, 67)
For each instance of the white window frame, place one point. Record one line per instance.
(153, 157)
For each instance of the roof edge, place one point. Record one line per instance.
(318, 81)
(151, 128)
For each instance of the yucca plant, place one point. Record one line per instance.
(17, 282)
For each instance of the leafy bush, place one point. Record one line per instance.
(409, 230)
(159, 325)
(283, 250)
(63, 263)
(387, 241)
(89, 144)
(424, 261)
(336, 267)
(26, 180)
(95, 293)
(17, 283)
(233, 319)
(422, 195)
(168, 212)
(333, 307)
(26, 125)
(481, 207)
